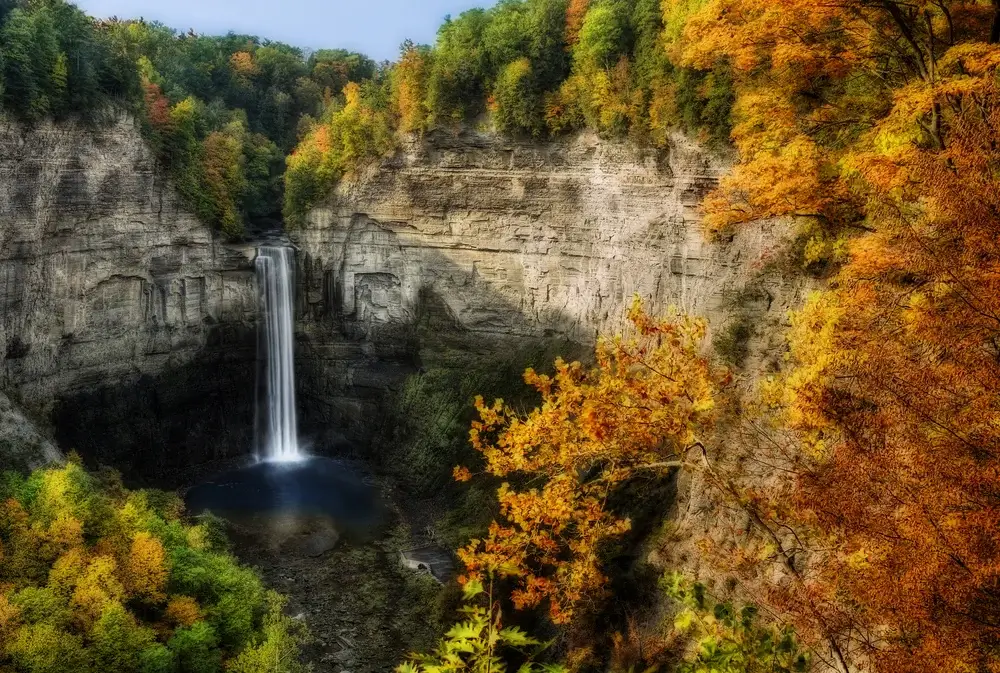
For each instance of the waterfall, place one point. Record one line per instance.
(275, 423)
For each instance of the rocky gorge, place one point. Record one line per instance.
(122, 315)
(498, 243)
(128, 327)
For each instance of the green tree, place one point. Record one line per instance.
(45, 648)
(264, 165)
(118, 642)
(41, 605)
(224, 171)
(157, 658)
(456, 89)
(507, 36)
(277, 650)
(603, 37)
(517, 103)
(196, 649)
(30, 48)
(547, 48)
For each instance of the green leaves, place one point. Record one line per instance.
(479, 644)
(91, 574)
(729, 640)
(602, 37)
(472, 589)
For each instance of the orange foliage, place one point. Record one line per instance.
(881, 119)
(575, 14)
(146, 569)
(183, 611)
(157, 107)
(409, 90)
(910, 481)
(645, 405)
(810, 76)
(97, 586)
(243, 65)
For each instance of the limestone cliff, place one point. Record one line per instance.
(130, 325)
(506, 239)
(23, 446)
(107, 284)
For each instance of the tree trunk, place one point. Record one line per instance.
(995, 29)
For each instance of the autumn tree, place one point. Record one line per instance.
(145, 570)
(85, 566)
(223, 168)
(575, 14)
(409, 87)
(361, 130)
(646, 406)
(876, 123)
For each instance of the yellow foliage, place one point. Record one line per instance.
(648, 402)
(96, 587)
(67, 571)
(409, 90)
(84, 572)
(183, 611)
(244, 65)
(145, 570)
(8, 615)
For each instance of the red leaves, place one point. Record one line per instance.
(157, 107)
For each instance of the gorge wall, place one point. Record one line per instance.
(496, 242)
(123, 319)
(129, 326)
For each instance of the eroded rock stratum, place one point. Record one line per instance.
(504, 240)
(120, 314)
(130, 324)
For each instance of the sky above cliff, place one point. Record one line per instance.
(374, 27)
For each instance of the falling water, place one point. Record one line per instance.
(276, 428)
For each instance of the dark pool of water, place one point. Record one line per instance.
(312, 487)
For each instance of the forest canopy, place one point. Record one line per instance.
(223, 114)
(94, 577)
(220, 113)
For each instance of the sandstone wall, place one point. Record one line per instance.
(106, 284)
(518, 240)
(130, 324)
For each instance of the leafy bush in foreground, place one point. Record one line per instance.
(94, 577)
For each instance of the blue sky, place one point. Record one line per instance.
(375, 27)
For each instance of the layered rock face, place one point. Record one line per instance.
(131, 326)
(518, 240)
(23, 446)
(121, 314)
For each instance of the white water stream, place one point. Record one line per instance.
(275, 425)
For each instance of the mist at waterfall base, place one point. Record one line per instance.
(284, 484)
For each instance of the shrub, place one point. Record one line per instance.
(478, 644)
(727, 639)
(95, 577)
